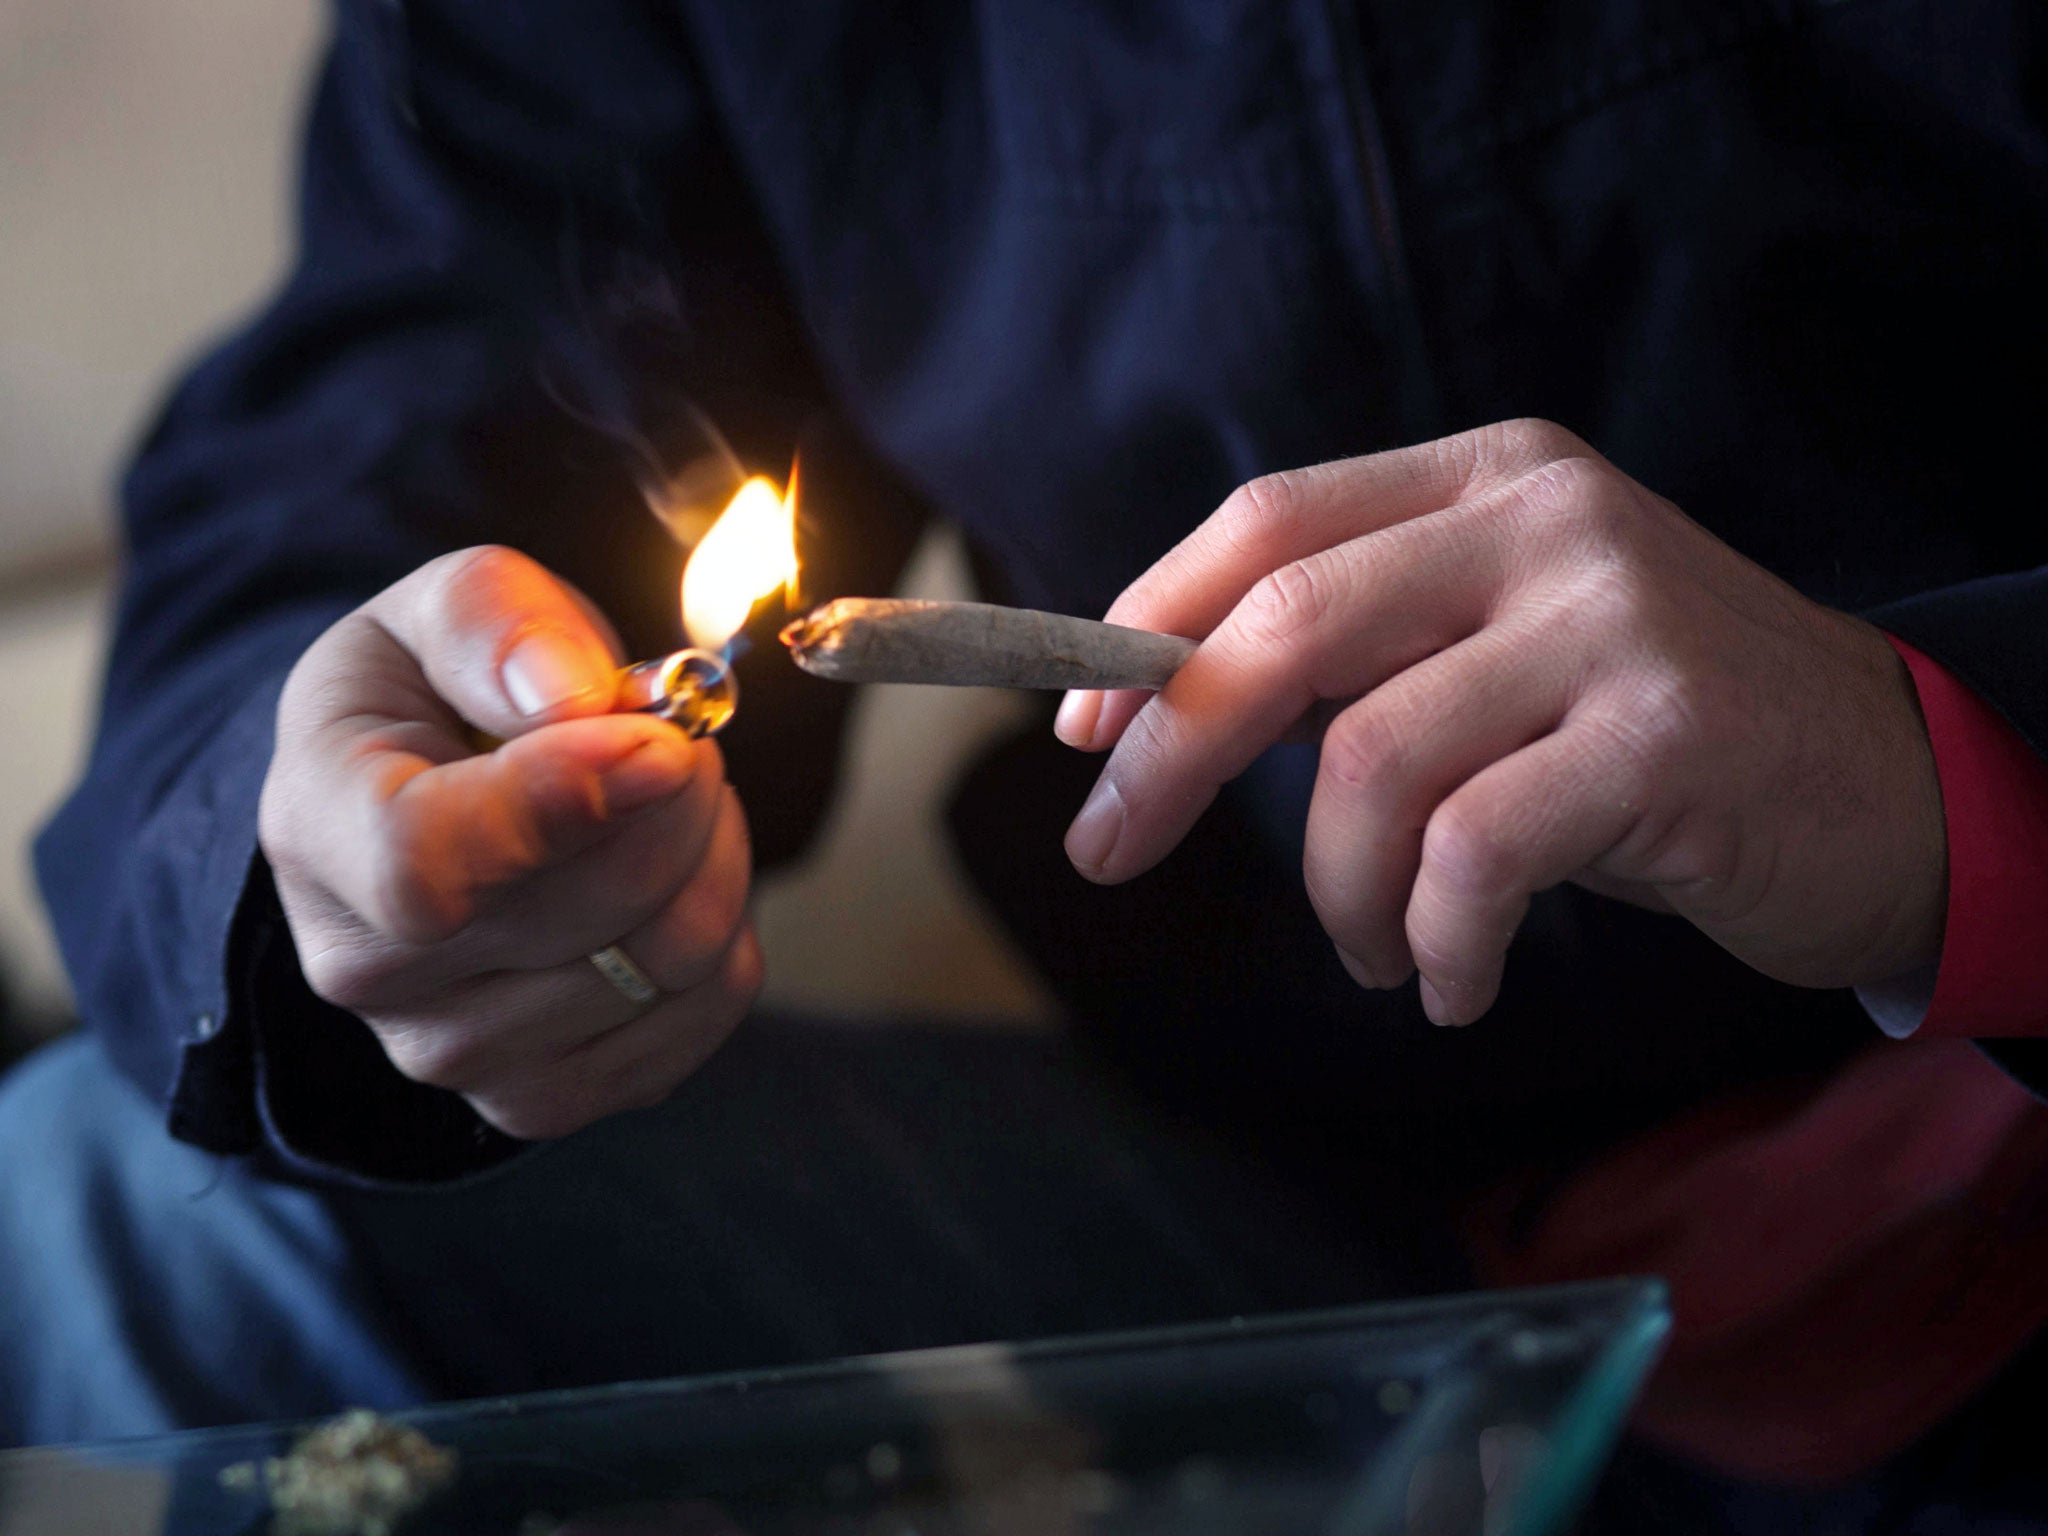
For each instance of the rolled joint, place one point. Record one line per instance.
(899, 640)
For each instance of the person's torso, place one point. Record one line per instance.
(1077, 272)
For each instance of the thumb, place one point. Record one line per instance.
(502, 641)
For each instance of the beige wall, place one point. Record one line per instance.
(145, 151)
(143, 165)
(143, 161)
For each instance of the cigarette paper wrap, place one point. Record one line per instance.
(897, 640)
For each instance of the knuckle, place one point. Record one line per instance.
(407, 898)
(313, 677)
(1609, 600)
(700, 928)
(480, 591)
(1468, 853)
(1363, 750)
(1261, 510)
(479, 579)
(436, 1056)
(1605, 514)
(280, 828)
(1665, 711)
(1533, 438)
(1286, 603)
(350, 976)
(1580, 511)
(296, 702)
(1577, 488)
(1462, 456)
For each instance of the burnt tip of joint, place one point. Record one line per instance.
(802, 634)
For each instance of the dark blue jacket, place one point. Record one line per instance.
(1067, 275)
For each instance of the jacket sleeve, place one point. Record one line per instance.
(513, 225)
(1993, 635)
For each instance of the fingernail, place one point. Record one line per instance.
(545, 671)
(652, 771)
(1079, 710)
(1433, 1003)
(1092, 837)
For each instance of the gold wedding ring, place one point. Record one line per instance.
(614, 966)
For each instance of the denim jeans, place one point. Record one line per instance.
(813, 1192)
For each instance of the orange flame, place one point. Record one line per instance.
(749, 553)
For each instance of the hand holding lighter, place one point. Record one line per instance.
(691, 689)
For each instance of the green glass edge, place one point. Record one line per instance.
(1591, 1420)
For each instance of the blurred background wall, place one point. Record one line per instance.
(145, 166)
(143, 174)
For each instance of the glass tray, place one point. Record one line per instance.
(1490, 1414)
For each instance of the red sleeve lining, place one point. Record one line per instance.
(1993, 979)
